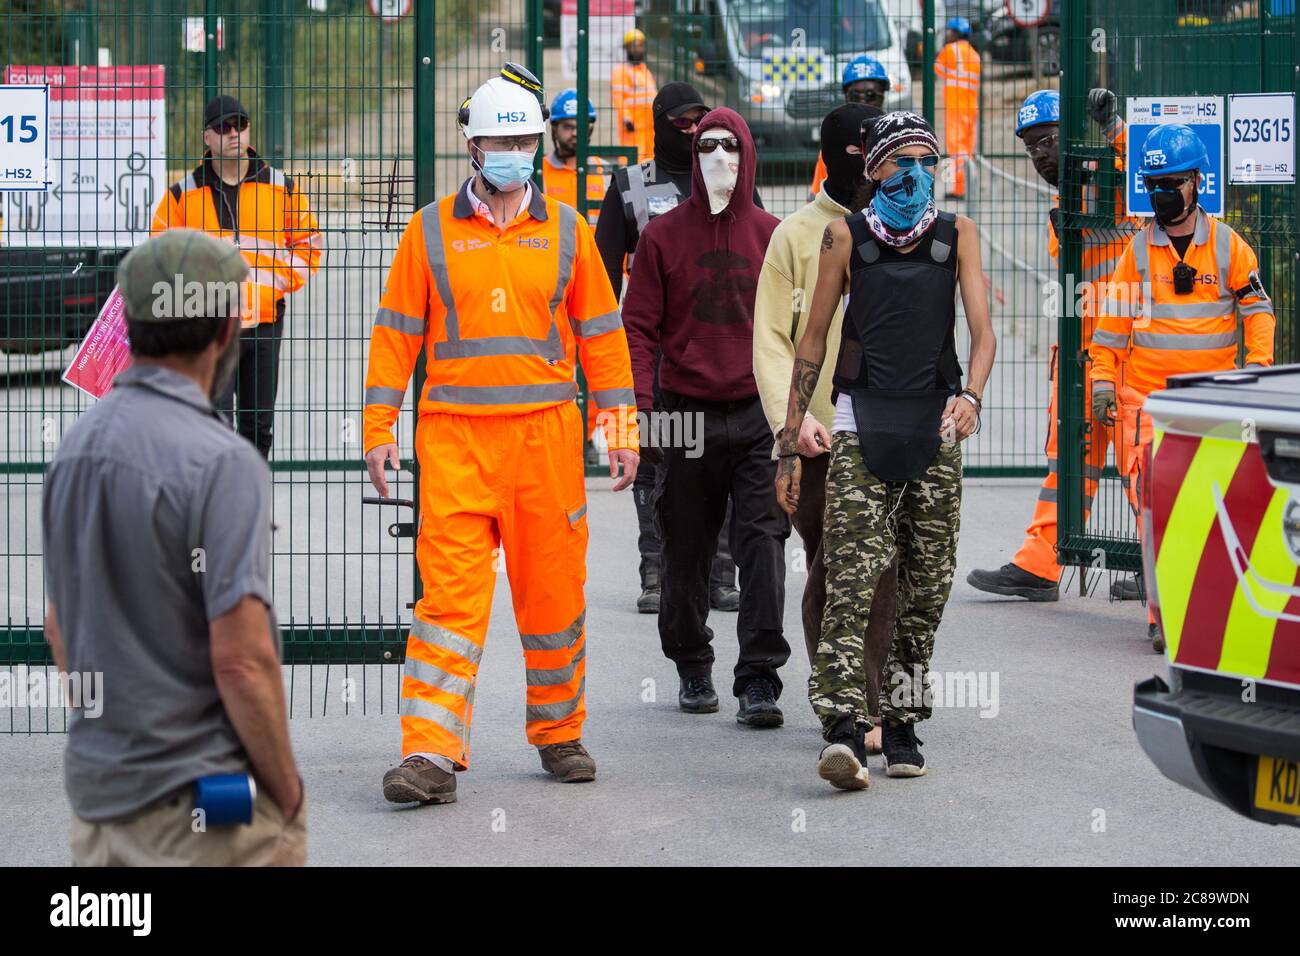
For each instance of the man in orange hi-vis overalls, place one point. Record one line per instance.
(502, 288)
(632, 92)
(1033, 572)
(1184, 297)
(957, 67)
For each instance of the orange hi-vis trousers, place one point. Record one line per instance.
(1037, 554)
(497, 488)
(959, 124)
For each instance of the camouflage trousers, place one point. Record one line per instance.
(868, 523)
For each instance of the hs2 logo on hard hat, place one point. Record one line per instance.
(517, 116)
(1155, 157)
(1028, 113)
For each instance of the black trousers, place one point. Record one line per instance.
(722, 569)
(255, 383)
(690, 507)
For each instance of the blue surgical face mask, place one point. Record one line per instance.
(508, 170)
(901, 200)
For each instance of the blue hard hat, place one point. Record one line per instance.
(1174, 148)
(565, 107)
(1039, 107)
(959, 25)
(863, 67)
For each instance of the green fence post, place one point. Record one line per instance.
(534, 16)
(927, 62)
(1069, 369)
(583, 66)
(424, 159)
(209, 50)
(274, 50)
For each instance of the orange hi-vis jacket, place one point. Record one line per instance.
(632, 92)
(273, 228)
(560, 182)
(1160, 333)
(502, 317)
(1102, 248)
(957, 67)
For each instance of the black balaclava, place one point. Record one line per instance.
(845, 172)
(672, 146)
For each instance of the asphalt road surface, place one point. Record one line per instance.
(1044, 769)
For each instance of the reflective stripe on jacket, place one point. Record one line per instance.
(1161, 333)
(502, 316)
(273, 227)
(957, 67)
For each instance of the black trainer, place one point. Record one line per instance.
(903, 751)
(1012, 581)
(843, 761)
(1127, 589)
(697, 695)
(758, 705)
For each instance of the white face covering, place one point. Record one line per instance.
(719, 169)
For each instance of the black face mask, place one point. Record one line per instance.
(845, 180)
(1169, 207)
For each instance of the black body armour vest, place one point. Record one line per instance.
(898, 359)
(644, 193)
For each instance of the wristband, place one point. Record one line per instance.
(793, 454)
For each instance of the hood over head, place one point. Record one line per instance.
(742, 199)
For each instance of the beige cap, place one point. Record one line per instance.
(181, 274)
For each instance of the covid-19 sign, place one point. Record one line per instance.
(1204, 114)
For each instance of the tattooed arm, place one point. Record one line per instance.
(832, 278)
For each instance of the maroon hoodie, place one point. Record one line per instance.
(692, 286)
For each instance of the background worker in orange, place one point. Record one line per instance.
(632, 91)
(236, 196)
(560, 179)
(1174, 301)
(560, 167)
(502, 288)
(957, 67)
(1033, 573)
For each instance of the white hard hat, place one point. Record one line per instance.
(502, 108)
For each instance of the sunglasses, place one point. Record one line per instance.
(1165, 182)
(864, 96)
(236, 124)
(685, 122)
(1045, 146)
(729, 143)
(911, 162)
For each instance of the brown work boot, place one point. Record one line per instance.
(419, 780)
(569, 761)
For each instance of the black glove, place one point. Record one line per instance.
(629, 126)
(1101, 105)
(1103, 405)
(1054, 217)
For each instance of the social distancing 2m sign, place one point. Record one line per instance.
(24, 138)
(1204, 114)
(103, 153)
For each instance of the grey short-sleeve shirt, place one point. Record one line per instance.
(157, 521)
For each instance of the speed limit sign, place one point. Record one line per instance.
(1029, 13)
(390, 11)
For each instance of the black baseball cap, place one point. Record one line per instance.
(676, 98)
(220, 108)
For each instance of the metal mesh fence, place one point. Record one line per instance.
(342, 101)
(1163, 51)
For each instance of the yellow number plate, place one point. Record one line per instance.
(1277, 786)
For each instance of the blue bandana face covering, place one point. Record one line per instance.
(509, 170)
(901, 200)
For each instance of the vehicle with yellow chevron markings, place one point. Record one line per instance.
(1220, 501)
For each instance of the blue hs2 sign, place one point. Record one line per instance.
(1204, 114)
